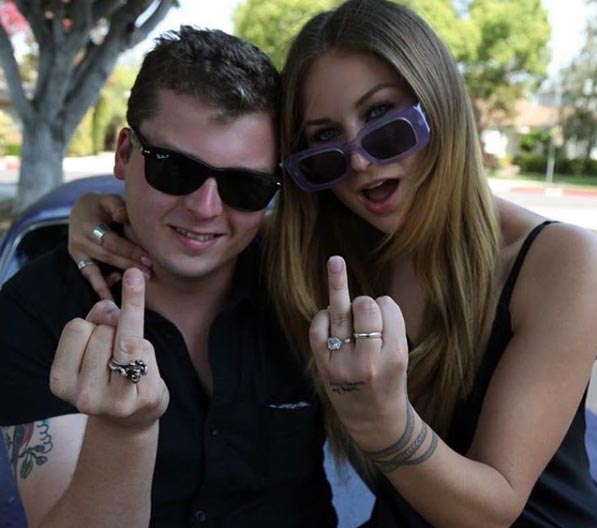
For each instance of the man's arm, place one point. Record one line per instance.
(43, 456)
(95, 469)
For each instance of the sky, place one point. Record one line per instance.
(567, 19)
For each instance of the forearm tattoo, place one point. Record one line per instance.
(347, 386)
(27, 446)
(403, 451)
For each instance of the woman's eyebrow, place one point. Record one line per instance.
(374, 90)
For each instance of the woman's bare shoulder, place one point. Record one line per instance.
(561, 241)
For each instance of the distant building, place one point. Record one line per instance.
(501, 133)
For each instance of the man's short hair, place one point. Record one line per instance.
(225, 71)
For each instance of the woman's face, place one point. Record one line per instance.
(342, 92)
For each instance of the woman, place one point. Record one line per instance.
(460, 393)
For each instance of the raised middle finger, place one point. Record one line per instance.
(340, 304)
(129, 345)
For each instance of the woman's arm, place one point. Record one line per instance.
(530, 402)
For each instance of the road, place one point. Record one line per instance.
(572, 205)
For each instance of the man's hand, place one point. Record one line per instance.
(80, 373)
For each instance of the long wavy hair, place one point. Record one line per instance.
(449, 222)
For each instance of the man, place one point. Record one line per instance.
(189, 412)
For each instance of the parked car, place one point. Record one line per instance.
(42, 225)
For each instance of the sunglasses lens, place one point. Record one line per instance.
(175, 175)
(179, 175)
(246, 191)
(323, 167)
(390, 140)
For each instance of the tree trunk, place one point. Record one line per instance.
(41, 163)
(72, 68)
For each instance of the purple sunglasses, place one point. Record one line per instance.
(392, 138)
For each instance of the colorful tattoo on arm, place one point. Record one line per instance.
(28, 446)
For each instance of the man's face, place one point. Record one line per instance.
(195, 236)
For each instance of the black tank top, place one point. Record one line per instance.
(564, 495)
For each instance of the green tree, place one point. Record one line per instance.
(272, 24)
(110, 111)
(451, 21)
(77, 43)
(512, 55)
(578, 89)
(98, 129)
(500, 45)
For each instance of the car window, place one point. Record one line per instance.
(35, 243)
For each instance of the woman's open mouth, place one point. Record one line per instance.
(382, 192)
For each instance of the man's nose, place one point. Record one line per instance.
(205, 202)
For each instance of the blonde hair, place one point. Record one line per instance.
(450, 224)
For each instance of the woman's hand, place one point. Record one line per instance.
(91, 211)
(365, 377)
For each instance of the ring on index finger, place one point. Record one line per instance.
(132, 370)
(98, 233)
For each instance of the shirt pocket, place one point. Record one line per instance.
(292, 440)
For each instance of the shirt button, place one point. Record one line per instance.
(200, 516)
(213, 431)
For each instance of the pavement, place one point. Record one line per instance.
(74, 167)
(514, 186)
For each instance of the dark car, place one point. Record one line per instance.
(35, 231)
(39, 228)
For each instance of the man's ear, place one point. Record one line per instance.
(124, 149)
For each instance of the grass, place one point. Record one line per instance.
(558, 179)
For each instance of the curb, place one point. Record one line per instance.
(555, 191)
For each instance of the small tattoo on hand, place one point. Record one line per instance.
(347, 386)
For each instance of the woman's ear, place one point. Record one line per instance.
(124, 149)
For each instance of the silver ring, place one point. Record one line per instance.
(98, 233)
(132, 370)
(368, 335)
(336, 343)
(85, 262)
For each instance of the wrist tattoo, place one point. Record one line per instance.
(347, 386)
(402, 452)
(27, 446)
(402, 441)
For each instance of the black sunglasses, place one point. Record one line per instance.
(177, 174)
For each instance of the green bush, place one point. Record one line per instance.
(535, 163)
(13, 149)
(531, 162)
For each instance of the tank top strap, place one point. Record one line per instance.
(514, 272)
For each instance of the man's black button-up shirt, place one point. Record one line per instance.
(249, 456)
